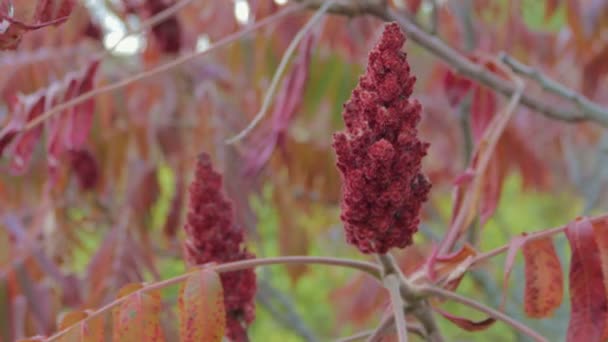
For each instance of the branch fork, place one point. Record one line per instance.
(406, 297)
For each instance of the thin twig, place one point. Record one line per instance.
(445, 294)
(552, 86)
(391, 282)
(280, 69)
(161, 68)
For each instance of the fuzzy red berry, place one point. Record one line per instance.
(379, 153)
(212, 236)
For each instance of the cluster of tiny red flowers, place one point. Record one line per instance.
(212, 236)
(379, 153)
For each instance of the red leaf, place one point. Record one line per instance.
(483, 109)
(53, 10)
(544, 278)
(600, 231)
(466, 323)
(414, 5)
(587, 291)
(455, 87)
(82, 116)
(491, 190)
(71, 128)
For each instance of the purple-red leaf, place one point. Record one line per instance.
(70, 128)
(587, 292)
(286, 106)
(600, 230)
(465, 323)
(47, 13)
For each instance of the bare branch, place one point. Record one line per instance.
(552, 86)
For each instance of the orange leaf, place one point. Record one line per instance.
(201, 308)
(81, 328)
(138, 317)
(514, 245)
(451, 268)
(544, 278)
(575, 21)
(587, 294)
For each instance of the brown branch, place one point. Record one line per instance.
(583, 103)
(463, 65)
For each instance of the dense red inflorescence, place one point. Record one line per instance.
(212, 236)
(379, 153)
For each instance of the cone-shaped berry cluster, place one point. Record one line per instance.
(212, 236)
(379, 153)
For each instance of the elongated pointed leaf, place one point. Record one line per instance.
(587, 294)
(138, 317)
(514, 245)
(600, 231)
(544, 278)
(465, 323)
(201, 308)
